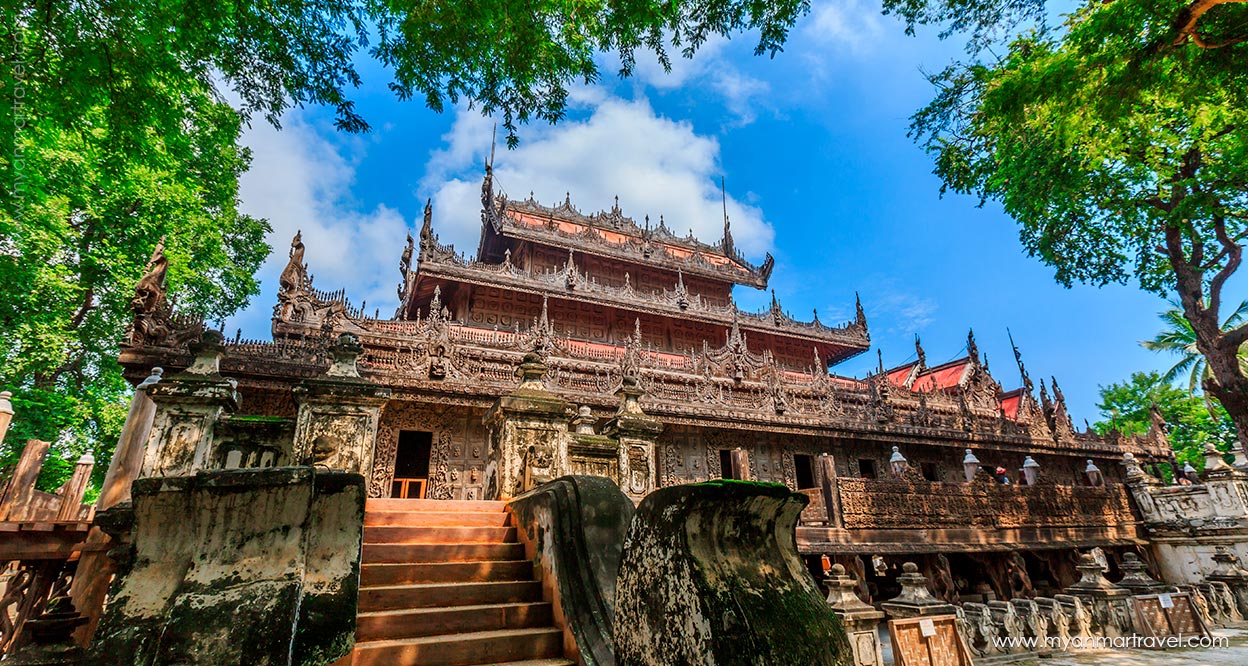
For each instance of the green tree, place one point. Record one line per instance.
(1178, 338)
(114, 135)
(108, 146)
(1118, 141)
(1190, 424)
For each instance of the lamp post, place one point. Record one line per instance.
(970, 466)
(897, 462)
(1094, 474)
(1031, 470)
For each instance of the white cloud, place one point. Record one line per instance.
(300, 181)
(712, 68)
(655, 165)
(852, 25)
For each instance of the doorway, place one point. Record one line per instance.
(411, 464)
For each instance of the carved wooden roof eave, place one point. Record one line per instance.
(249, 370)
(614, 221)
(748, 275)
(853, 337)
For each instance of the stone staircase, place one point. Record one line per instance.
(446, 583)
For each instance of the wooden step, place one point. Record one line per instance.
(391, 504)
(486, 647)
(379, 553)
(445, 572)
(445, 595)
(440, 534)
(432, 518)
(398, 624)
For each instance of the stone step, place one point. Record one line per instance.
(433, 518)
(392, 504)
(486, 647)
(445, 572)
(414, 623)
(380, 553)
(439, 534)
(444, 595)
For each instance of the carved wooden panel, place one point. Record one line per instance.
(466, 457)
(457, 460)
(885, 504)
(686, 459)
(911, 647)
(493, 307)
(1178, 617)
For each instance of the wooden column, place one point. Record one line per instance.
(740, 464)
(827, 483)
(95, 569)
(128, 456)
(22, 486)
(75, 488)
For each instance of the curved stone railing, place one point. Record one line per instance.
(711, 576)
(573, 529)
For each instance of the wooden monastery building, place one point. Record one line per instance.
(651, 375)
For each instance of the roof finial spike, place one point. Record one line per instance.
(879, 351)
(918, 349)
(493, 137)
(972, 349)
(860, 317)
(1018, 358)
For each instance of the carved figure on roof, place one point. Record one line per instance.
(972, 349)
(918, 349)
(294, 276)
(682, 292)
(153, 320)
(860, 317)
(149, 292)
(734, 357)
(405, 267)
(630, 360)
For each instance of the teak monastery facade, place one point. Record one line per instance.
(595, 345)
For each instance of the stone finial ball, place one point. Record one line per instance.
(910, 568)
(838, 569)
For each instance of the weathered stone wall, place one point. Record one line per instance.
(254, 567)
(711, 577)
(1186, 524)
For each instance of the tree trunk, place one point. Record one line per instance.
(1230, 387)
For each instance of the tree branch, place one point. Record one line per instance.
(1189, 16)
(1234, 256)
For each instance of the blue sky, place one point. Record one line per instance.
(819, 172)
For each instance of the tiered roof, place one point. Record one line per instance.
(613, 235)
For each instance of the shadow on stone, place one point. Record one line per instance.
(573, 529)
(711, 576)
